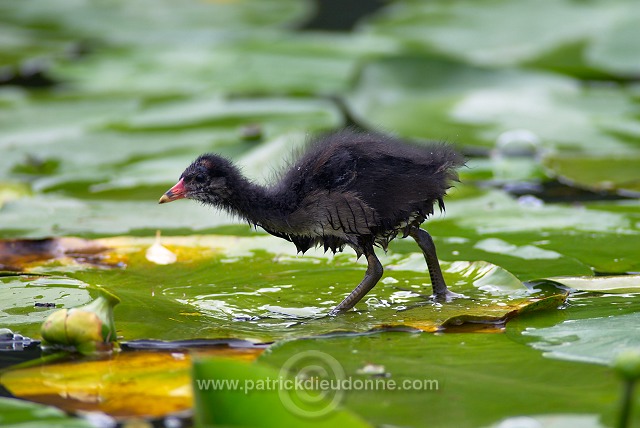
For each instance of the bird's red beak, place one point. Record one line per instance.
(176, 192)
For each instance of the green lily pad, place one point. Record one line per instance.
(81, 162)
(592, 328)
(199, 112)
(28, 49)
(258, 289)
(32, 217)
(591, 340)
(23, 414)
(497, 297)
(32, 120)
(268, 63)
(477, 106)
(500, 32)
(193, 22)
(580, 306)
(205, 47)
(614, 50)
(468, 29)
(521, 380)
(228, 406)
(528, 236)
(12, 191)
(603, 284)
(603, 173)
(20, 294)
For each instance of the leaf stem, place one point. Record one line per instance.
(627, 399)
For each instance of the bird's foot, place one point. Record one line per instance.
(336, 311)
(446, 296)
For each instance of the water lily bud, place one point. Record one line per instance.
(87, 328)
(54, 328)
(627, 364)
(83, 326)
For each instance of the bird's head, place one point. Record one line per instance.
(205, 180)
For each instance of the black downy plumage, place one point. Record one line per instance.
(347, 188)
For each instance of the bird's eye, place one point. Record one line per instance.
(200, 178)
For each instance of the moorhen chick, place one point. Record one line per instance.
(347, 188)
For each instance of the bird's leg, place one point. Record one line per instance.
(371, 278)
(424, 240)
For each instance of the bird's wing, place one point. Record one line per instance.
(334, 213)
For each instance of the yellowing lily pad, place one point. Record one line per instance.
(128, 384)
(476, 317)
(17, 254)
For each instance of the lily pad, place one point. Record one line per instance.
(194, 21)
(256, 389)
(20, 295)
(603, 173)
(19, 414)
(12, 191)
(603, 284)
(498, 297)
(531, 238)
(210, 292)
(614, 49)
(550, 421)
(499, 32)
(271, 63)
(593, 327)
(26, 52)
(591, 340)
(199, 112)
(475, 106)
(521, 380)
(33, 217)
(469, 29)
(31, 121)
(581, 305)
(83, 162)
(126, 385)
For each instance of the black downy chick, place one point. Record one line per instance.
(347, 188)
